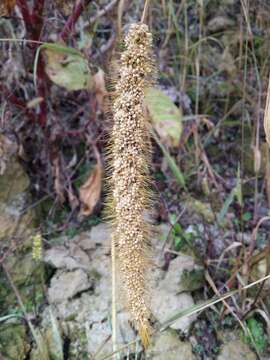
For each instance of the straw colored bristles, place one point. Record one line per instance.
(130, 158)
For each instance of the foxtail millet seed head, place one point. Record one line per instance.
(130, 182)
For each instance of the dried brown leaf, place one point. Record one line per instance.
(58, 182)
(6, 7)
(90, 191)
(100, 88)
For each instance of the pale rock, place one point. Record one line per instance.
(165, 297)
(167, 345)
(236, 350)
(65, 285)
(164, 305)
(99, 337)
(220, 23)
(67, 258)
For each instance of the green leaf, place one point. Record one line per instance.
(247, 216)
(65, 67)
(177, 243)
(257, 332)
(166, 117)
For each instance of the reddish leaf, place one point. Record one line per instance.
(90, 191)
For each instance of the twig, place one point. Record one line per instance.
(76, 13)
(145, 11)
(102, 12)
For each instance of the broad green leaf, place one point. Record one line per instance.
(67, 67)
(166, 117)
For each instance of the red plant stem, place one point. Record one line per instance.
(33, 23)
(73, 19)
(36, 18)
(41, 91)
(37, 21)
(26, 15)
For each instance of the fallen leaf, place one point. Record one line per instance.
(100, 87)
(58, 181)
(90, 191)
(166, 117)
(67, 69)
(6, 7)
(34, 102)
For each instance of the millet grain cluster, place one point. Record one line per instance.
(130, 179)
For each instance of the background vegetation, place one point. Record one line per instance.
(211, 170)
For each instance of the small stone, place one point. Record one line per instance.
(220, 23)
(236, 350)
(99, 336)
(164, 305)
(70, 259)
(66, 285)
(99, 235)
(167, 345)
(165, 297)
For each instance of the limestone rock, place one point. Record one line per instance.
(167, 345)
(100, 334)
(236, 350)
(65, 285)
(220, 23)
(165, 297)
(67, 258)
(98, 236)
(164, 305)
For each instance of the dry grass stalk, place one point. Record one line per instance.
(129, 182)
(267, 115)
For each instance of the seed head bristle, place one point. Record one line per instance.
(130, 151)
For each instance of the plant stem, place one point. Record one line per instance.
(26, 15)
(41, 91)
(114, 334)
(33, 23)
(76, 13)
(36, 18)
(145, 11)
